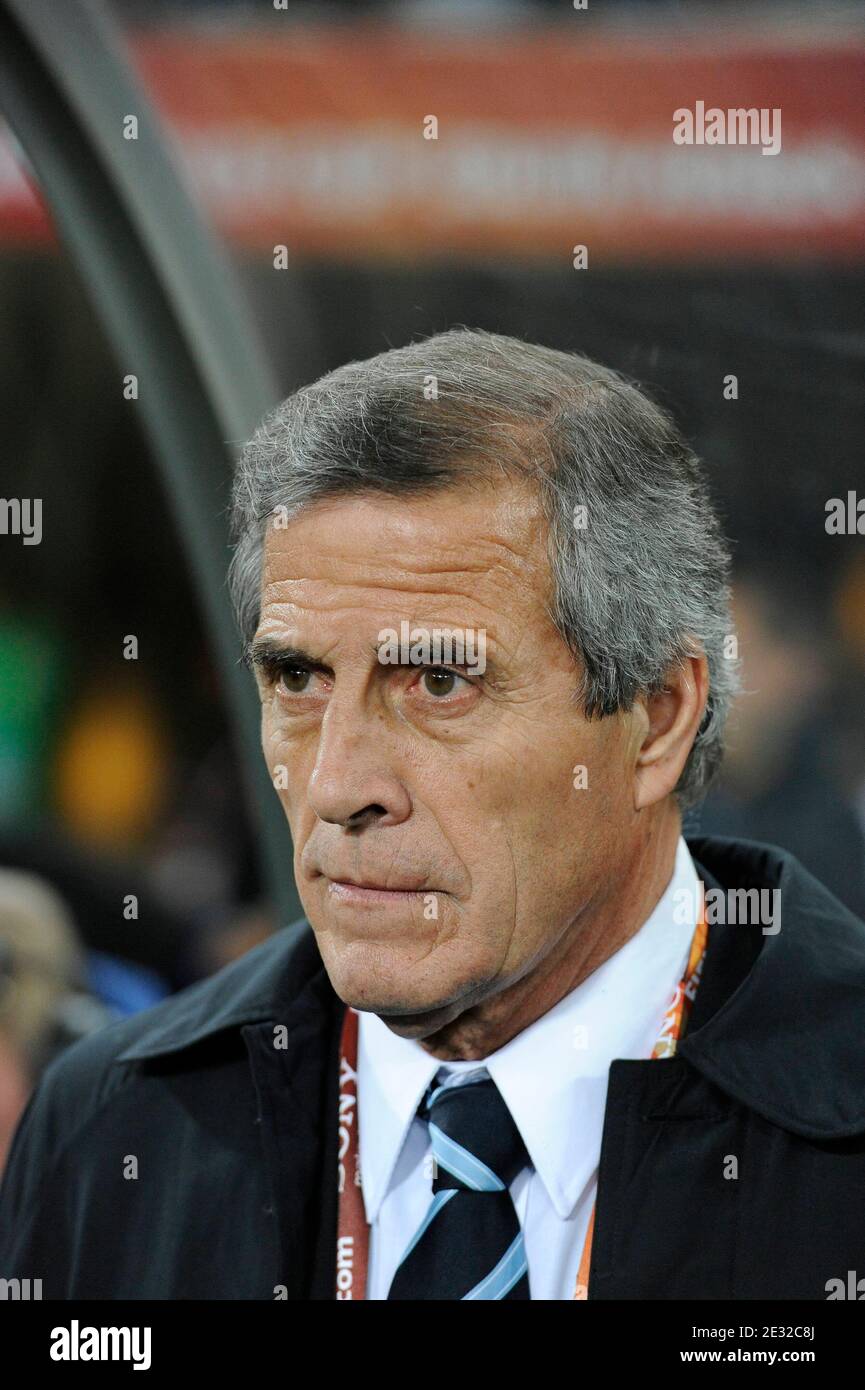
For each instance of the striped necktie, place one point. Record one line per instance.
(469, 1244)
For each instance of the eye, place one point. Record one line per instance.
(293, 680)
(439, 681)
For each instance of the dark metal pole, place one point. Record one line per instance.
(169, 303)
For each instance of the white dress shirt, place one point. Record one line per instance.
(553, 1077)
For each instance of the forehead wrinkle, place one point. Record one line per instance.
(420, 535)
(421, 571)
(409, 594)
(486, 517)
(279, 617)
(316, 592)
(391, 611)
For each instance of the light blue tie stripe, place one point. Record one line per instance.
(481, 1074)
(435, 1206)
(511, 1267)
(435, 1095)
(463, 1164)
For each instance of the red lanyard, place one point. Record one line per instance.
(352, 1241)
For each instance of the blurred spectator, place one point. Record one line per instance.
(52, 990)
(95, 889)
(40, 963)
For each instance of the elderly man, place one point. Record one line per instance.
(527, 1042)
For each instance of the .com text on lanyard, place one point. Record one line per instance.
(352, 1242)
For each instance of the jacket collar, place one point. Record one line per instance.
(777, 1021)
(776, 1024)
(262, 985)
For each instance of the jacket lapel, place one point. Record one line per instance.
(294, 1062)
(779, 1026)
(767, 1076)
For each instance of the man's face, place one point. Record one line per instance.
(450, 790)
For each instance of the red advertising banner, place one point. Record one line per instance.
(371, 142)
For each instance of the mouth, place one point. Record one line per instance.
(372, 894)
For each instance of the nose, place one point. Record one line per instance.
(353, 782)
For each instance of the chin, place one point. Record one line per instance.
(411, 1009)
(408, 1013)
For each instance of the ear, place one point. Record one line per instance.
(674, 715)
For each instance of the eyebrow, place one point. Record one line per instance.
(273, 656)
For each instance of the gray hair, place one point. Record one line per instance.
(640, 577)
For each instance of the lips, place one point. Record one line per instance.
(414, 885)
(366, 893)
(360, 897)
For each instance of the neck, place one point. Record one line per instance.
(600, 930)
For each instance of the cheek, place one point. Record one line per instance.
(285, 767)
(266, 728)
(275, 744)
(270, 743)
(568, 805)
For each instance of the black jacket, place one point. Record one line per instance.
(235, 1141)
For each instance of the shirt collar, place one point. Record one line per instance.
(553, 1075)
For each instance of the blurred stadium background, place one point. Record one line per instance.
(300, 126)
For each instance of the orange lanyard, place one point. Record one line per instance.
(352, 1242)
